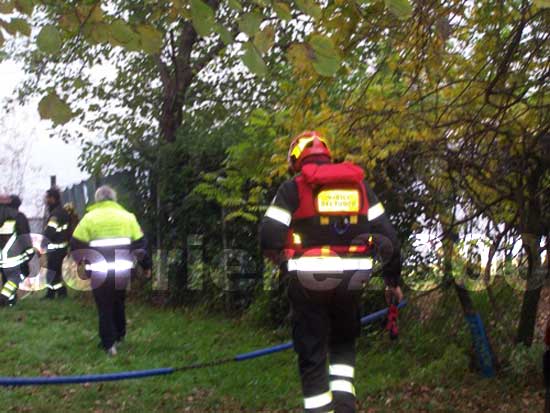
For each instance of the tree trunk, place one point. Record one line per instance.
(176, 78)
(485, 359)
(535, 279)
(462, 294)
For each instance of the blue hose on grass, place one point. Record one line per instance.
(281, 347)
(139, 374)
(90, 378)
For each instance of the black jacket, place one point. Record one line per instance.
(274, 233)
(57, 226)
(15, 240)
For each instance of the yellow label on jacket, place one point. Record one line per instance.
(338, 200)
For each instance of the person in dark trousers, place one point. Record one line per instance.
(55, 244)
(16, 249)
(107, 240)
(323, 227)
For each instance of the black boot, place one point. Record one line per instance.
(50, 294)
(62, 292)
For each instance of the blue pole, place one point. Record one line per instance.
(481, 345)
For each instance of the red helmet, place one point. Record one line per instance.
(306, 144)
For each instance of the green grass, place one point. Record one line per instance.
(423, 372)
(61, 338)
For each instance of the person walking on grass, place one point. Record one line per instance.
(107, 240)
(320, 228)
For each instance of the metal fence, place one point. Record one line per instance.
(37, 225)
(82, 194)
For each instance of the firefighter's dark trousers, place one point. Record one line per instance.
(110, 301)
(54, 275)
(325, 325)
(11, 277)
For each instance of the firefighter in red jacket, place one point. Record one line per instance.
(319, 229)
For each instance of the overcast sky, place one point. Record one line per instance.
(48, 156)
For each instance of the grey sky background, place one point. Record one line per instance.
(47, 156)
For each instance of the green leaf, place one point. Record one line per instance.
(282, 10)
(18, 25)
(79, 83)
(122, 32)
(69, 22)
(250, 23)
(225, 34)
(6, 7)
(323, 46)
(264, 39)
(1, 41)
(300, 55)
(97, 33)
(402, 9)
(235, 5)
(327, 60)
(90, 13)
(24, 6)
(543, 4)
(150, 38)
(262, 3)
(202, 17)
(310, 8)
(52, 107)
(49, 40)
(253, 60)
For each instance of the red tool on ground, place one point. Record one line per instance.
(391, 324)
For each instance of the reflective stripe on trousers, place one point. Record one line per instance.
(321, 403)
(344, 386)
(342, 370)
(341, 384)
(9, 290)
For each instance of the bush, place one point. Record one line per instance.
(452, 364)
(526, 360)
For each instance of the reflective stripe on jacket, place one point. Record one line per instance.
(56, 232)
(111, 233)
(298, 220)
(15, 241)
